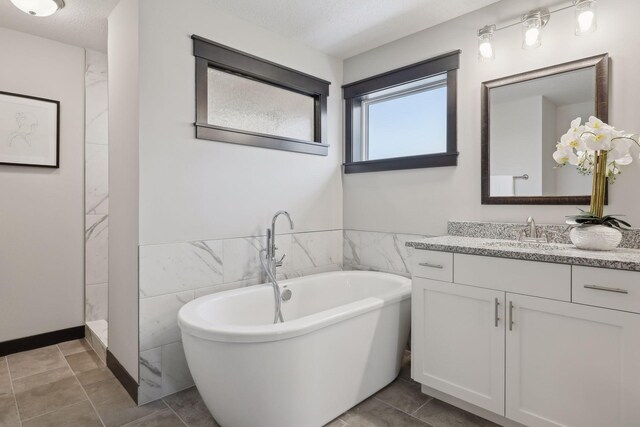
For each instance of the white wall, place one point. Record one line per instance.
(516, 135)
(123, 184)
(421, 201)
(194, 189)
(41, 210)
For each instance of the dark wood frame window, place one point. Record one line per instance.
(210, 54)
(601, 65)
(354, 93)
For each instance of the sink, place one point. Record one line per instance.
(528, 245)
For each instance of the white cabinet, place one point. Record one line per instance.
(458, 341)
(535, 361)
(572, 365)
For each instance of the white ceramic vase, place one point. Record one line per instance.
(595, 237)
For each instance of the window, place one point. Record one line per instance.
(247, 100)
(403, 119)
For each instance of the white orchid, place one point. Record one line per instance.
(582, 143)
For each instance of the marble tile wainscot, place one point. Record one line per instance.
(378, 251)
(173, 274)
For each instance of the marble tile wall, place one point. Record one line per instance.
(96, 186)
(173, 274)
(379, 251)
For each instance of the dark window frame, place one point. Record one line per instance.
(444, 64)
(210, 54)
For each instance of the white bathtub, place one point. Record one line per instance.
(342, 340)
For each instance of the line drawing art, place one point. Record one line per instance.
(27, 124)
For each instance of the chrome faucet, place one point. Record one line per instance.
(534, 234)
(270, 263)
(271, 241)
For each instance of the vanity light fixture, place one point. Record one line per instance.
(532, 24)
(585, 16)
(485, 43)
(39, 7)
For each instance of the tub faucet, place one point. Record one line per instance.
(271, 241)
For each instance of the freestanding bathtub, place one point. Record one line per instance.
(342, 340)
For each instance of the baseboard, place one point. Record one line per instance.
(127, 381)
(41, 340)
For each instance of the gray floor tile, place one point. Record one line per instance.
(94, 375)
(403, 395)
(5, 380)
(405, 369)
(105, 390)
(84, 361)
(189, 406)
(441, 414)
(46, 392)
(164, 418)
(75, 346)
(123, 410)
(35, 361)
(8, 411)
(337, 423)
(79, 414)
(375, 413)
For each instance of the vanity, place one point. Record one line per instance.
(530, 334)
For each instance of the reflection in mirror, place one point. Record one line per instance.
(527, 120)
(523, 118)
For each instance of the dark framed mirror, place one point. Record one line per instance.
(523, 118)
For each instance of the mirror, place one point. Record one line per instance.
(523, 118)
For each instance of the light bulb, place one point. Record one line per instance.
(39, 7)
(486, 50)
(531, 37)
(485, 47)
(585, 16)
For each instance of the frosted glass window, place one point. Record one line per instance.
(409, 124)
(238, 102)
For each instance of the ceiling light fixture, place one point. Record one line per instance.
(585, 16)
(39, 7)
(485, 40)
(532, 24)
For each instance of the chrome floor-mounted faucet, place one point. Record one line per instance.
(270, 264)
(271, 242)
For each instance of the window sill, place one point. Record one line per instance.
(236, 136)
(401, 163)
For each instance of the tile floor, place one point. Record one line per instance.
(68, 385)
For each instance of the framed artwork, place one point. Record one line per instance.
(29, 131)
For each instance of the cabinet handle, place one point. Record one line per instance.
(606, 289)
(427, 264)
(511, 315)
(496, 318)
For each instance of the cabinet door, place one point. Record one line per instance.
(571, 365)
(458, 341)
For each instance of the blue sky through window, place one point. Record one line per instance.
(409, 125)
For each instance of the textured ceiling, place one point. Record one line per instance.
(347, 27)
(81, 22)
(339, 27)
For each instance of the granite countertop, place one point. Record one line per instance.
(621, 258)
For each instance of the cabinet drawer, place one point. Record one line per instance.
(432, 265)
(533, 278)
(607, 288)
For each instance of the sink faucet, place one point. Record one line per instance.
(534, 234)
(271, 241)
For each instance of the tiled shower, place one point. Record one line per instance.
(96, 200)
